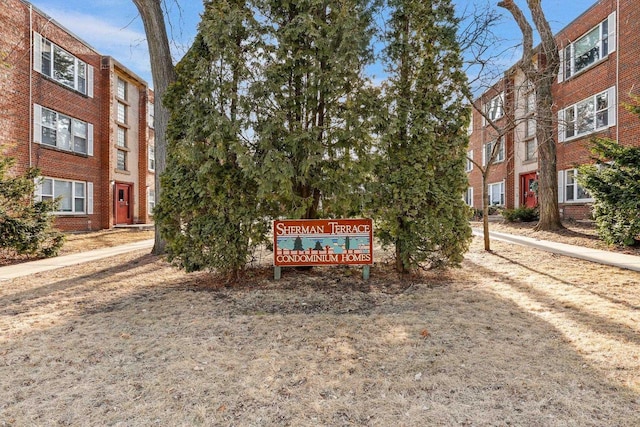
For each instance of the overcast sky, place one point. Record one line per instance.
(113, 27)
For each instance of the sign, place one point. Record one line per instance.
(303, 242)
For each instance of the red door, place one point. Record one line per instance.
(528, 188)
(123, 205)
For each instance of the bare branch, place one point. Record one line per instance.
(527, 35)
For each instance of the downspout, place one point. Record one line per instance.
(618, 71)
(30, 85)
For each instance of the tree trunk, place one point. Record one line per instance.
(542, 77)
(401, 267)
(485, 212)
(163, 73)
(548, 176)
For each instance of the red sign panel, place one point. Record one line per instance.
(300, 242)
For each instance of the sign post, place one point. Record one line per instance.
(307, 242)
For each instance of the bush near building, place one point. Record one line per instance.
(614, 183)
(26, 226)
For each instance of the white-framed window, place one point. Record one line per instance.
(152, 201)
(488, 151)
(150, 115)
(75, 197)
(495, 108)
(121, 160)
(589, 49)
(468, 196)
(587, 116)
(469, 165)
(122, 137)
(121, 113)
(121, 89)
(496, 194)
(569, 191)
(54, 62)
(61, 131)
(152, 157)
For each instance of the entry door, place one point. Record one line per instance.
(123, 205)
(528, 187)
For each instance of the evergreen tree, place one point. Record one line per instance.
(209, 214)
(26, 227)
(614, 183)
(420, 173)
(311, 105)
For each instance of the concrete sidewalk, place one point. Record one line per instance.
(628, 262)
(32, 267)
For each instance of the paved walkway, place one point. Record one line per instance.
(32, 267)
(616, 259)
(629, 262)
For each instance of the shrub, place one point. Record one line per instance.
(522, 214)
(614, 183)
(26, 227)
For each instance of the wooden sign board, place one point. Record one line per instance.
(306, 242)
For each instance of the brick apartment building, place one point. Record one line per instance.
(600, 60)
(80, 117)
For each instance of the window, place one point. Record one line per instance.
(122, 137)
(530, 128)
(152, 158)
(531, 149)
(75, 197)
(496, 194)
(568, 188)
(468, 196)
(150, 115)
(589, 49)
(122, 113)
(530, 102)
(495, 108)
(61, 131)
(530, 145)
(488, 151)
(587, 116)
(152, 201)
(63, 67)
(121, 91)
(121, 160)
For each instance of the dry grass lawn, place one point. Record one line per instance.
(514, 337)
(80, 242)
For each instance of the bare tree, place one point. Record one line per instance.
(163, 73)
(500, 129)
(541, 75)
(479, 42)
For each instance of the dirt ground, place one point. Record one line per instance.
(514, 337)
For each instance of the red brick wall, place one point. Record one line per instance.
(14, 82)
(107, 192)
(619, 68)
(22, 87)
(16, 119)
(594, 80)
(482, 134)
(143, 216)
(629, 70)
